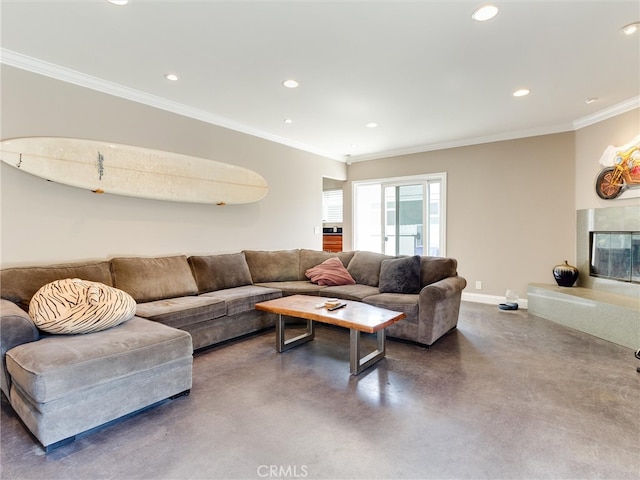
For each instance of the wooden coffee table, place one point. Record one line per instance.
(356, 316)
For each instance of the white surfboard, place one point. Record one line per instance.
(104, 167)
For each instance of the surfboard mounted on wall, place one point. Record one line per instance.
(104, 167)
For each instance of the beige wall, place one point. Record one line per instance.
(511, 215)
(591, 142)
(511, 204)
(43, 222)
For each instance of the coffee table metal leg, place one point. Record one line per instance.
(359, 364)
(282, 344)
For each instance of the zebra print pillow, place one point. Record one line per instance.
(79, 306)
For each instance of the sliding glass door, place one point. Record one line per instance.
(404, 219)
(400, 216)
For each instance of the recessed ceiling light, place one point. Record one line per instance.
(591, 100)
(521, 93)
(371, 125)
(171, 77)
(484, 13)
(118, 2)
(290, 83)
(288, 120)
(631, 28)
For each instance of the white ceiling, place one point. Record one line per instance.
(428, 74)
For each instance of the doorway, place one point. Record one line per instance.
(401, 216)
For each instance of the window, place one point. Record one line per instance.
(401, 216)
(332, 206)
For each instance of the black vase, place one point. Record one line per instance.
(565, 275)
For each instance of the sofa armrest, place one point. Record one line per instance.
(439, 306)
(444, 288)
(16, 328)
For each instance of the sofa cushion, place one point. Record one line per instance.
(276, 266)
(243, 299)
(72, 306)
(56, 367)
(294, 287)
(400, 275)
(181, 311)
(350, 292)
(311, 258)
(434, 269)
(330, 272)
(217, 272)
(364, 267)
(18, 284)
(153, 278)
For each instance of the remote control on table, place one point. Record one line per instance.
(337, 306)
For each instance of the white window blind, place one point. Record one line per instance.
(332, 206)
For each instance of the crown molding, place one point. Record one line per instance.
(34, 65)
(464, 142)
(597, 117)
(618, 109)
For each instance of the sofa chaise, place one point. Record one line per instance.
(63, 385)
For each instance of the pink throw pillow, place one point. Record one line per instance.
(330, 272)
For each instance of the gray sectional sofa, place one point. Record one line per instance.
(63, 385)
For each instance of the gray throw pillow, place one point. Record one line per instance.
(400, 275)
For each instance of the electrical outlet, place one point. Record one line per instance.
(316, 230)
(478, 285)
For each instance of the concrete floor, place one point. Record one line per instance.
(506, 395)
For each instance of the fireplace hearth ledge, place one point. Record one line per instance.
(605, 315)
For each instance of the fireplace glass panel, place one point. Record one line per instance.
(600, 244)
(635, 257)
(616, 255)
(620, 256)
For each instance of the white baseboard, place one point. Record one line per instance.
(490, 299)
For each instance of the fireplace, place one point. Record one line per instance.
(608, 249)
(606, 301)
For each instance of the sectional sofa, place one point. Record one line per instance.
(63, 385)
